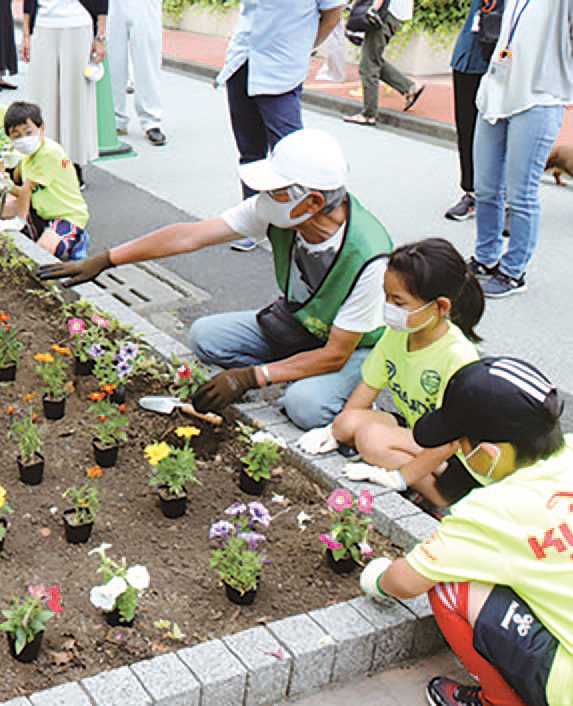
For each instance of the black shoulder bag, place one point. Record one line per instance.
(489, 27)
(357, 20)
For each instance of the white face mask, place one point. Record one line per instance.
(267, 209)
(397, 318)
(493, 463)
(27, 145)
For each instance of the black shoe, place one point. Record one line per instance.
(156, 136)
(502, 285)
(482, 272)
(442, 691)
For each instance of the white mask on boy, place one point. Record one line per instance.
(28, 144)
(397, 318)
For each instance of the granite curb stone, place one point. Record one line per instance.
(358, 637)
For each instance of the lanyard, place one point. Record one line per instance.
(515, 21)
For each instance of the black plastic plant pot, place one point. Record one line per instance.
(8, 372)
(83, 368)
(346, 565)
(118, 395)
(114, 619)
(235, 596)
(76, 534)
(3, 523)
(171, 507)
(250, 486)
(31, 473)
(105, 456)
(54, 409)
(30, 651)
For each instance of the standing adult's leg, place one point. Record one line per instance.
(246, 122)
(369, 70)
(43, 78)
(388, 72)
(465, 90)
(490, 143)
(145, 43)
(117, 41)
(530, 137)
(281, 114)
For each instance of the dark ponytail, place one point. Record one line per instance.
(433, 268)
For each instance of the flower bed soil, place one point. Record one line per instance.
(183, 589)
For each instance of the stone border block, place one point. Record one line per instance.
(268, 677)
(222, 676)
(390, 507)
(168, 680)
(312, 650)
(395, 629)
(65, 695)
(427, 636)
(166, 346)
(354, 637)
(406, 532)
(118, 687)
(269, 417)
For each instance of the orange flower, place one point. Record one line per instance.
(28, 397)
(61, 350)
(93, 472)
(4, 316)
(122, 408)
(96, 396)
(10, 410)
(102, 417)
(8, 328)
(44, 357)
(34, 417)
(108, 388)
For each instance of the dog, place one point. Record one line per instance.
(560, 162)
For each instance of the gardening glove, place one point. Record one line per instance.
(79, 270)
(375, 474)
(369, 577)
(15, 223)
(317, 441)
(223, 389)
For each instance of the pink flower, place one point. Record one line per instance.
(365, 548)
(339, 499)
(100, 321)
(365, 501)
(53, 599)
(37, 591)
(183, 372)
(330, 542)
(76, 325)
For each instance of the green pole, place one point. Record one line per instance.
(108, 142)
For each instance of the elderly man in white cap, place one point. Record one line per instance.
(329, 257)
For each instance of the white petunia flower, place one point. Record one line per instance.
(116, 586)
(138, 577)
(101, 598)
(101, 549)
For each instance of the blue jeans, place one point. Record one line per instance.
(235, 340)
(259, 122)
(513, 152)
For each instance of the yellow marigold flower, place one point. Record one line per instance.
(4, 316)
(34, 417)
(187, 432)
(44, 357)
(94, 472)
(108, 388)
(28, 397)
(102, 417)
(2, 496)
(62, 350)
(157, 452)
(122, 408)
(10, 409)
(96, 396)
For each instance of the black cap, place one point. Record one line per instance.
(493, 399)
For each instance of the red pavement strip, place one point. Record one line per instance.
(436, 103)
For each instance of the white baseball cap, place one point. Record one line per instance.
(308, 157)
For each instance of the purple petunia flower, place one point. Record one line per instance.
(124, 368)
(96, 350)
(252, 538)
(235, 509)
(128, 351)
(222, 528)
(259, 513)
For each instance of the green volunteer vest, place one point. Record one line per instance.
(365, 240)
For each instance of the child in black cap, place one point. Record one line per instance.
(499, 569)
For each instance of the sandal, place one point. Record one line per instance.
(359, 119)
(412, 97)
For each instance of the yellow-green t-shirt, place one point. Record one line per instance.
(517, 533)
(56, 193)
(417, 379)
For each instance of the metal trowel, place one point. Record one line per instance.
(166, 405)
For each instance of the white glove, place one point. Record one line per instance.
(375, 474)
(15, 223)
(317, 441)
(370, 575)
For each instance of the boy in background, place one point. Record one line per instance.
(46, 191)
(499, 569)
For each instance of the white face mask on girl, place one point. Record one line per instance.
(27, 145)
(267, 209)
(397, 318)
(493, 463)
